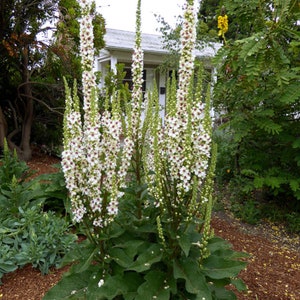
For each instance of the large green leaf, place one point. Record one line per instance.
(296, 143)
(155, 287)
(295, 184)
(217, 267)
(188, 238)
(121, 257)
(217, 243)
(131, 247)
(195, 282)
(223, 294)
(83, 250)
(148, 257)
(122, 284)
(239, 284)
(69, 287)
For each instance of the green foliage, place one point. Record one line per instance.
(27, 234)
(258, 94)
(21, 57)
(257, 206)
(33, 237)
(292, 221)
(55, 192)
(134, 262)
(225, 156)
(207, 20)
(246, 18)
(249, 211)
(31, 69)
(114, 84)
(11, 167)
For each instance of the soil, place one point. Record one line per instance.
(273, 270)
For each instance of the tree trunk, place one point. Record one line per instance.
(25, 149)
(3, 128)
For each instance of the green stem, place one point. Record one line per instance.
(138, 175)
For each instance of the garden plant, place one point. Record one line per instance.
(141, 187)
(28, 233)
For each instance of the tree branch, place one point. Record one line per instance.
(44, 104)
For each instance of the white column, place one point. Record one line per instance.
(162, 96)
(149, 79)
(113, 62)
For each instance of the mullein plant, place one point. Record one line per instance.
(94, 160)
(154, 241)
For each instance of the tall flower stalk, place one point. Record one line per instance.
(137, 76)
(139, 126)
(94, 160)
(181, 149)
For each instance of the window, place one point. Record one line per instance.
(128, 79)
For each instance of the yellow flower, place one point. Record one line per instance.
(222, 25)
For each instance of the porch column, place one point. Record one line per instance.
(162, 93)
(113, 62)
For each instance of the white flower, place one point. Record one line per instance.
(100, 283)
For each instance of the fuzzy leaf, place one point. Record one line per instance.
(239, 284)
(113, 286)
(216, 244)
(148, 257)
(84, 249)
(70, 287)
(185, 244)
(125, 284)
(120, 257)
(223, 294)
(187, 238)
(155, 287)
(217, 267)
(131, 247)
(195, 282)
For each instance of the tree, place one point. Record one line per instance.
(32, 67)
(207, 19)
(21, 56)
(258, 88)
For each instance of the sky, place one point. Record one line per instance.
(120, 14)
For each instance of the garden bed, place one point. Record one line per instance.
(273, 271)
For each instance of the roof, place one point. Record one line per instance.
(125, 40)
(116, 39)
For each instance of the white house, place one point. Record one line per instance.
(119, 46)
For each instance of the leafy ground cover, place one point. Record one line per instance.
(273, 271)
